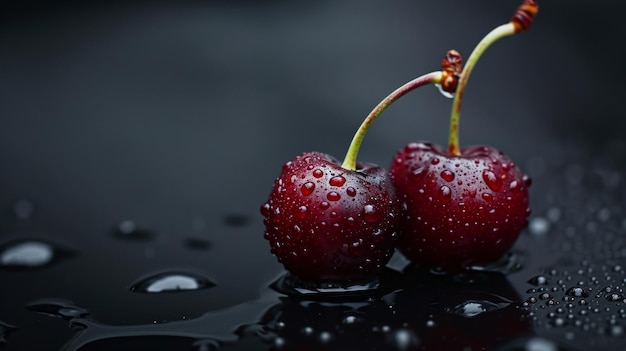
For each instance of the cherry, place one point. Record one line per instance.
(327, 223)
(461, 210)
(463, 207)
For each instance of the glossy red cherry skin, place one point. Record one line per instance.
(459, 211)
(325, 223)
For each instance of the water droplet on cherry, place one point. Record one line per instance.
(333, 196)
(447, 175)
(370, 213)
(307, 188)
(351, 191)
(317, 173)
(493, 182)
(445, 194)
(337, 181)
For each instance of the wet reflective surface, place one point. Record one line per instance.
(138, 141)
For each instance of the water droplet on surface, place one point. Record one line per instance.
(445, 194)
(370, 213)
(31, 253)
(318, 173)
(129, 230)
(473, 308)
(60, 308)
(447, 175)
(302, 211)
(417, 174)
(27, 254)
(171, 282)
(307, 188)
(538, 280)
(337, 181)
(333, 196)
(539, 226)
(351, 191)
(403, 339)
(493, 182)
(487, 197)
(576, 291)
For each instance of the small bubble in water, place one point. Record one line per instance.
(171, 282)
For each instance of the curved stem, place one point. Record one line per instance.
(497, 33)
(349, 161)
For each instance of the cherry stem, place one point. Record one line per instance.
(349, 161)
(520, 21)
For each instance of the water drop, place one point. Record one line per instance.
(351, 191)
(434, 161)
(324, 205)
(60, 308)
(472, 308)
(317, 173)
(493, 182)
(538, 280)
(443, 92)
(337, 181)
(333, 196)
(576, 291)
(370, 213)
(171, 282)
(514, 185)
(403, 339)
(27, 254)
(487, 197)
(447, 175)
(129, 230)
(445, 194)
(307, 188)
(417, 174)
(539, 226)
(302, 211)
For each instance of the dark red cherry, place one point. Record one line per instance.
(459, 210)
(326, 223)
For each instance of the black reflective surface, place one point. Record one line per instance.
(138, 140)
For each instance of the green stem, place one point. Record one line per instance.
(497, 33)
(349, 161)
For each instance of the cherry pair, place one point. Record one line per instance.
(444, 209)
